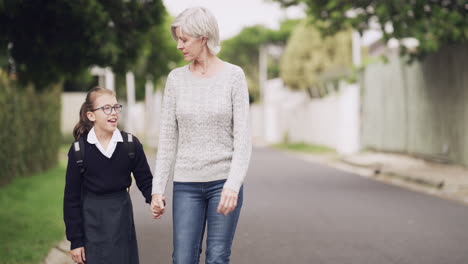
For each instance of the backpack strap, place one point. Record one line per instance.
(129, 143)
(79, 152)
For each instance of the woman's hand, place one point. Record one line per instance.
(158, 205)
(78, 255)
(228, 201)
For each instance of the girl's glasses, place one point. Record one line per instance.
(107, 109)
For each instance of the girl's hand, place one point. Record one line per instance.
(78, 255)
(228, 201)
(158, 205)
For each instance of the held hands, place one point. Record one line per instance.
(228, 201)
(226, 205)
(78, 255)
(158, 205)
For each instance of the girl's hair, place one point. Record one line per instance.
(84, 125)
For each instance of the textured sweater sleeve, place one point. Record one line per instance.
(241, 132)
(72, 203)
(141, 171)
(168, 135)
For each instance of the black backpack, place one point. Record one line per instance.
(78, 146)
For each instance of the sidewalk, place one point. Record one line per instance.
(449, 178)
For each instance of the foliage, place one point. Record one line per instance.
(434, 23)
(311, 60)
(243, 50)
(80, 83)
(30, 122)
(52, 40)
(159, 56)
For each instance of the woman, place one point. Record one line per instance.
(204, 140)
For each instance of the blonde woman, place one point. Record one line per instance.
(205, 140)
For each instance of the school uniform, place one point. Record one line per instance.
(98, 212)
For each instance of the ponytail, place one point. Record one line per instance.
(84, 125)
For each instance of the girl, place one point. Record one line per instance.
(98, 211)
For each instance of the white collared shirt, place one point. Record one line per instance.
(116, 137)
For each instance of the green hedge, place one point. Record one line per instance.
(30, 129)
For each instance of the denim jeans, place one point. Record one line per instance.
(194, 207)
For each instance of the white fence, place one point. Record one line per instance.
(420, 108)
(71, 103)
(332, 121)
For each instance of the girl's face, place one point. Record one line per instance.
(106, 122)
(190, 47)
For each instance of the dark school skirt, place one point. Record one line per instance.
(109, 229)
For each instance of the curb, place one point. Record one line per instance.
(379, 168)
(59, 254)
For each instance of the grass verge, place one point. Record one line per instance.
(31, 216)
(304, 147)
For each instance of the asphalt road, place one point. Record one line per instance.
(300, 212)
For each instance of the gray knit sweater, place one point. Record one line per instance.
(204, 131)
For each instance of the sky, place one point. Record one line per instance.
(233, 15)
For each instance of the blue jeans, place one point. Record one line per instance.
(194, 207)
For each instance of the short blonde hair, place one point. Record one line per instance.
(199, 22)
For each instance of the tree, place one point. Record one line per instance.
(52, 40)
(243, 50)
(434, 23)
(159, 56)
(311, 60)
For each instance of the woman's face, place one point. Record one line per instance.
(190, 46)
(103, 121)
